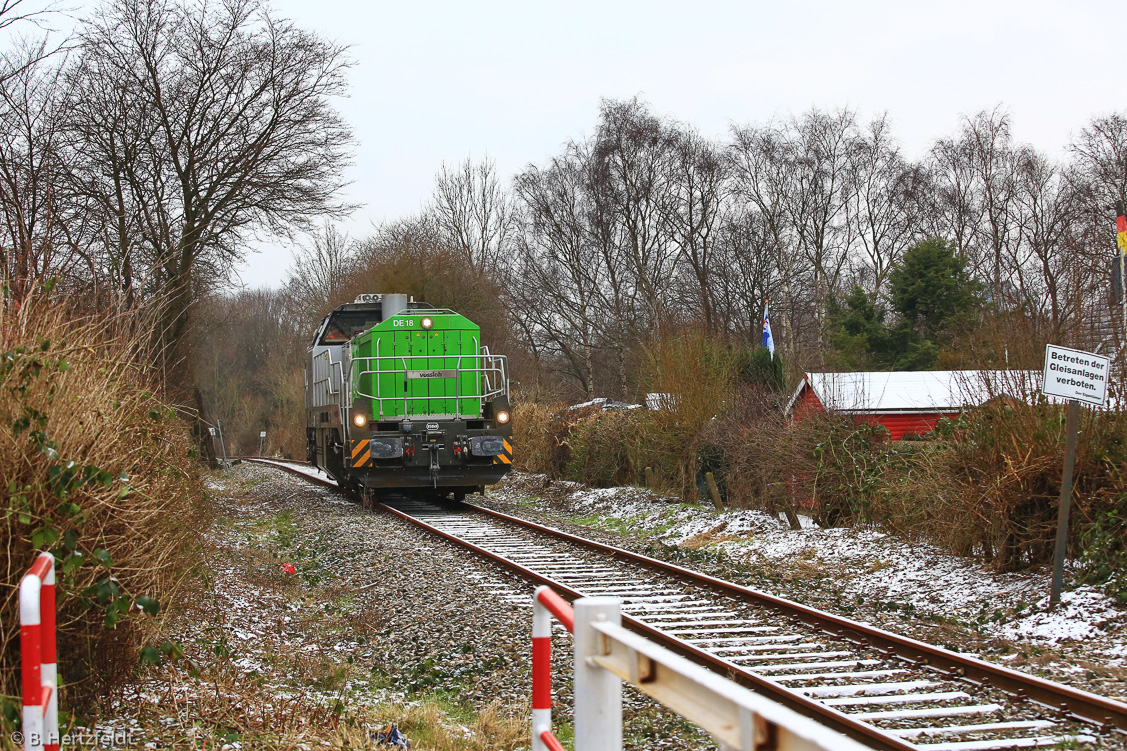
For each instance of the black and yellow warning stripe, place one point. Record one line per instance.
(506, 456)
(361, 453)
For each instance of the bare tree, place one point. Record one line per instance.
(747, 272)
(764, 167)
(472, 209)
(29, 51)
(118, 183)
(795, 175)
(1048, 269)
(994, 163)
(1098, 176)
(825, 148)
(700, 187)
(1099, 172)
(241, 139)
(560, 268)
(630, 169)
(319, 271)
(880, 201)
(952, 207)
(32, 242)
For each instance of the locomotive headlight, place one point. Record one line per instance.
(502, 417)
(359, 420)
(427, 322)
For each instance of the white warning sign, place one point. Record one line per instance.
(1075, 374)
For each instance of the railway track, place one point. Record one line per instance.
(888, 691)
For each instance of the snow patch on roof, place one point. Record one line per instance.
(917, 391)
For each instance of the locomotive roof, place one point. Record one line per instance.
(368, 306)
(347, 320)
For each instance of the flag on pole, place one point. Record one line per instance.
(768, 340)
(1119, 263)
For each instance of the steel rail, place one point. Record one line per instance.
(1082, 705)
(855, 729)
(1066, 702)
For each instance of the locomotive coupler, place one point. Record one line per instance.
(434, 448)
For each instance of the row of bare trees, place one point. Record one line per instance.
(647, 225)
(136, 165)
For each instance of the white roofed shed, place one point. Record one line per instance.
(909, 401)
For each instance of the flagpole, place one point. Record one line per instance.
(1121, 244)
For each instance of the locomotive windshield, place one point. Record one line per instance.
(345, 324)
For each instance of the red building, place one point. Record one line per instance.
(911, 401)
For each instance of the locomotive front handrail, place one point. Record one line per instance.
(491, 366)
(502, 374)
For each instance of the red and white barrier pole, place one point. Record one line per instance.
(38, 656)
(545, 604)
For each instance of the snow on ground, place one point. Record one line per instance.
(858, 565)
(304, 469)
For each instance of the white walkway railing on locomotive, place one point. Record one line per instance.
(492, 374)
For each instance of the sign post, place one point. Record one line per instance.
(222, 445)
(1079, 377)
(261, 439)
(1065, 501)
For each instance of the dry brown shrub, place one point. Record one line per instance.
(989, 483)
(599, 447)
(695, 374)
(98, 470)
(822, 465)
(755, 445)
(535, 444)
(831, 466)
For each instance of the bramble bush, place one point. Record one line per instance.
(98, 470)
(988, 483)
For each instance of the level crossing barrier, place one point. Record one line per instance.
(606, 654)
(38, 667)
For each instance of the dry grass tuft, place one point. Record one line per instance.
(430, 725)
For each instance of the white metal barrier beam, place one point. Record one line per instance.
(738, 718)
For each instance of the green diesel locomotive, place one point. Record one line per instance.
(400, 395)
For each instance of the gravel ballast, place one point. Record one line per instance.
(377, 613)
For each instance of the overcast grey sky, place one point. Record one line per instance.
(436, 82)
